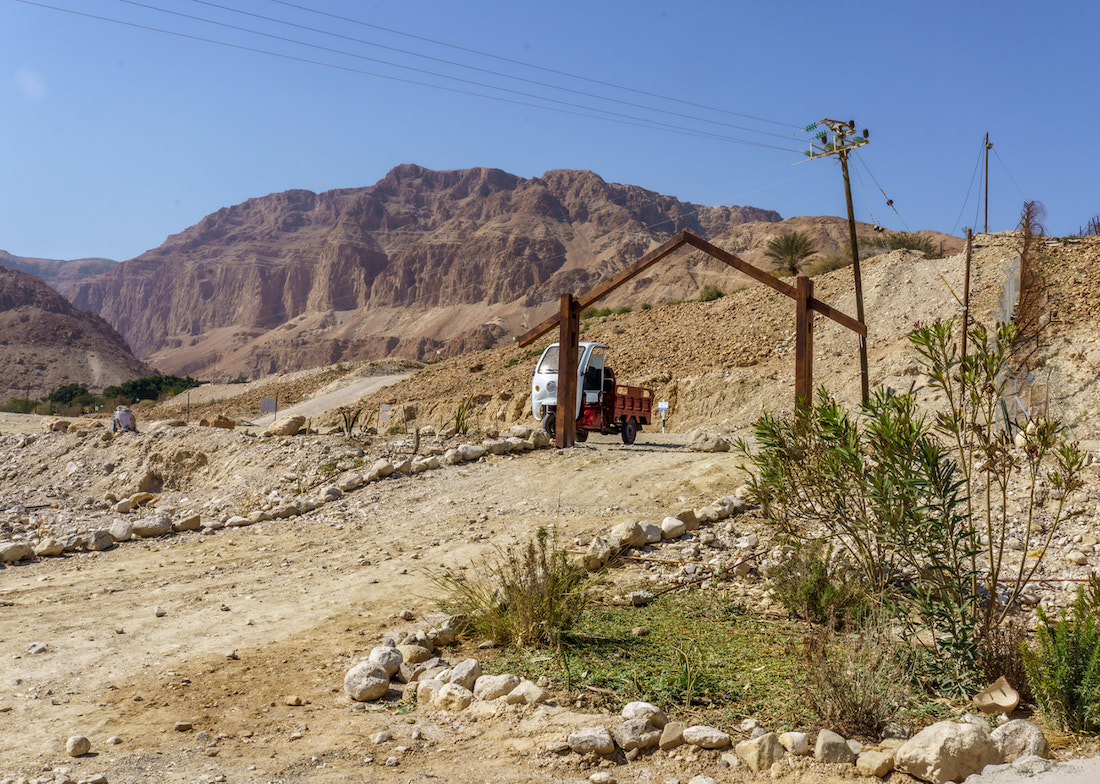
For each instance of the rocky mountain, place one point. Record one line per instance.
(421, 264)
(61, 275)
(45, 342)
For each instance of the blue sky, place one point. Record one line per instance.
(115, 136)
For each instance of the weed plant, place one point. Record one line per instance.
(1063, 669)
(816, 585)
(526, 596)
(856, 683)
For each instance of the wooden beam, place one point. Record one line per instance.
(655, 255)
(742, 266)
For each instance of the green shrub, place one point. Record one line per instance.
(1063, 670)
(905, 240)
(709, 293)
(827, 262)
(525, 596)
(816, 586)
(918, 503)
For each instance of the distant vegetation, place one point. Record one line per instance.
(710, 293)
(1090, 229)
(906, 240)
(74, 399)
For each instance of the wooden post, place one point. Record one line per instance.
(569, 335)
(804, 344)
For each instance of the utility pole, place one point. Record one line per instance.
(988, 147)
(844, 139)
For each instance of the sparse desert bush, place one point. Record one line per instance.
(522, 596)
(827, 262)
(856, 682)
(814, 584)
(709, 293)
(905, 240)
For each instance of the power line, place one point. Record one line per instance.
(585, 111)
(887, 199)
(463, 65)
(977, 168)
(532, 65)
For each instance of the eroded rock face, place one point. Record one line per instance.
(415, 241)
(48, 342)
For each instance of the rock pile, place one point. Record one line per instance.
(134, 522)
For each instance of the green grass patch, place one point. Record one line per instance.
(704, 658)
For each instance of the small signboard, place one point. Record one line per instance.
(662, 405)
(385, 413)
(269, 405)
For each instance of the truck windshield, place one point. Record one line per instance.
(549, 363)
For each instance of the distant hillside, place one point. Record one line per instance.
(62, 276)
(45, 342)
(420, 265)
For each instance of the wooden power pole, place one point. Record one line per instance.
(844, 139)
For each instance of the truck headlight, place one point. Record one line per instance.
(552, 387)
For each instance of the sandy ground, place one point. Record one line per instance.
(297, 602)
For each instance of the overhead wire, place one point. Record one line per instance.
(532, 65)
(578, 110)
(1005, 167)
(962, 209)
(474, 68)
(887, 199)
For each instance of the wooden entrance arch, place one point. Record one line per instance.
(568, 322)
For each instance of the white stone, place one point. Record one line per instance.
(706, 737)
(795, 743)
(453, 697)
(1019, 738)
(491, 687)
(366, 681)
(466, 673)
(591, 740)
(388, 657)
(647, 711)
(947, 751)
(673, 528)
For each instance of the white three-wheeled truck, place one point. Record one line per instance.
(603, 405)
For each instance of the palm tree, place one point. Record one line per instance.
(790, 250)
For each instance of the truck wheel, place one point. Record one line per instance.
(549, 422)
(630, 431)
(582, 436)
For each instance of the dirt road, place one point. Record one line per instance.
(252, 616)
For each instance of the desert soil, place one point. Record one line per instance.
(282, 609)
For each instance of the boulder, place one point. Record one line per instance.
(527, 693)
(875, 763)
(795, 743)
(630, 534)
(706, 737)
(761, 752)
(387, 657)
(97, 541)
(832, 748)
(1019, 738)
(647, 711)
(13, 552)
(157, 525)
(635, 734)
(49, 546)
(288, 426)
(591, 740)
(191, 522)
(426, 691)
(453, 697)
(947, 751)
(598, 554)
(702, 441)
(366, 681)
(466, 673)
(491, 687)
(673, 528)
(672, 736)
